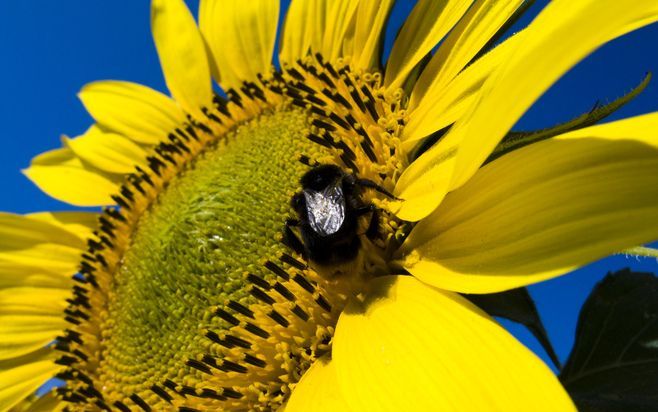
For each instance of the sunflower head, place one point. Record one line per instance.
(299, 240)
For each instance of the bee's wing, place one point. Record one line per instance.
(326, 209)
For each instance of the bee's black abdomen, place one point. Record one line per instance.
(327, 253)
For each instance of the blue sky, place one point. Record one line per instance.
(51, 49)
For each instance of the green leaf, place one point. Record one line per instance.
(517, 306)
(614, 363)
(516, 140)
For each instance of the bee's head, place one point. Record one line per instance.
(320, 177)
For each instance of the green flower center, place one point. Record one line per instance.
(215, 221)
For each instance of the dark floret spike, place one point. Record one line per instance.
(232, 366)
(285, 258)
(316, 100)
(120, 201)
(241, 309)
(297, 75)
(327, 80)
(283, 291)
(190, 130)
(115, 214)
(155, 164)
(300, 313)
(107, 242)
(251, 328)
(258, 281)
(252, 360)
(330, 68)
(140, 402)
(66, 360)
(339, 121)
(349, 163)
(318, 111)
(323, 125)
(102, 405)
(347, 152)
(319, 140)
(322, 302)
(299, 103)
(291, 240)
(162, 151)
(162, 393)
(213, 336)
(367, 146)
(210, 394)
(210, 115)
(305, 160)
(230, 393)
(236, 341)
(261, 295)
(101, 259)
(303, 86)
(235, 97)
(121, 406)
(187, 391)
(72, 320)
(227, 316)
(338, 98)
(106, 223)
(200, 366)
(277, 270)
(370, 103)
(304, 283)
(278, 318)
(127, 194)
(220, 105)
(169, 384)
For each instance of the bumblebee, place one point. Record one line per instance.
(328, 208)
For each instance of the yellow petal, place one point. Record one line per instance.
(33, 301)
(38, 256)
(19, 377)
(303, 29)
(135, 111)
(182, 55)
(48, 402)
(428, 22)
(543, 210)
(423, 185)
(562, 35)
(81, 224)
(17, 231)
(478, 26)
(241, 36)
(15, 274)
(26, 241)
(410, 346)
(339, 18)
(441, 109)
(371, 17)
(62, 175)
(109, 152)
(318, 390)
(30, 318)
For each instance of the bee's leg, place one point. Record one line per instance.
(360, 211)
(291, 240)
(292, 222)
(372, 185)
(373, 227)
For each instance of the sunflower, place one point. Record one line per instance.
(195, 289)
